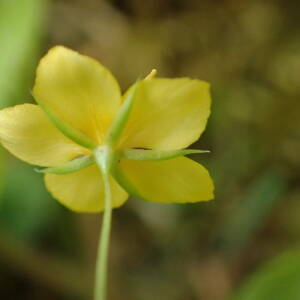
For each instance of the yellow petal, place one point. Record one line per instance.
(26, 132)
(177, 180)
(167, 114)
(78, 90)
(83, 191)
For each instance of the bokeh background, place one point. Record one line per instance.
(242, 245)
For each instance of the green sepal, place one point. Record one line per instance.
(71, 166)
(140, 154)
(70, 132)
(119, 122)
(125, 183)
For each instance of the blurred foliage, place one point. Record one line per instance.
(250, 53)
(277, 280)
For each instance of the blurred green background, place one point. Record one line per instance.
(242, 245)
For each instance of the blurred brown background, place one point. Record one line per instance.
(250, 53)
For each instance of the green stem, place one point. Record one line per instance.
(103, 247)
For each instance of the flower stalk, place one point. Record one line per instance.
(103, 247)
(104, 158)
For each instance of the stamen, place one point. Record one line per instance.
(151, 75)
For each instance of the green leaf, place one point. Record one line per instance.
(119, 123)
(70, 166)
(28, 209)
(277, 280)
(244, 221)
(140, 154)
(21, 24)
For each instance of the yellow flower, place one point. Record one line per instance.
(79, 100)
